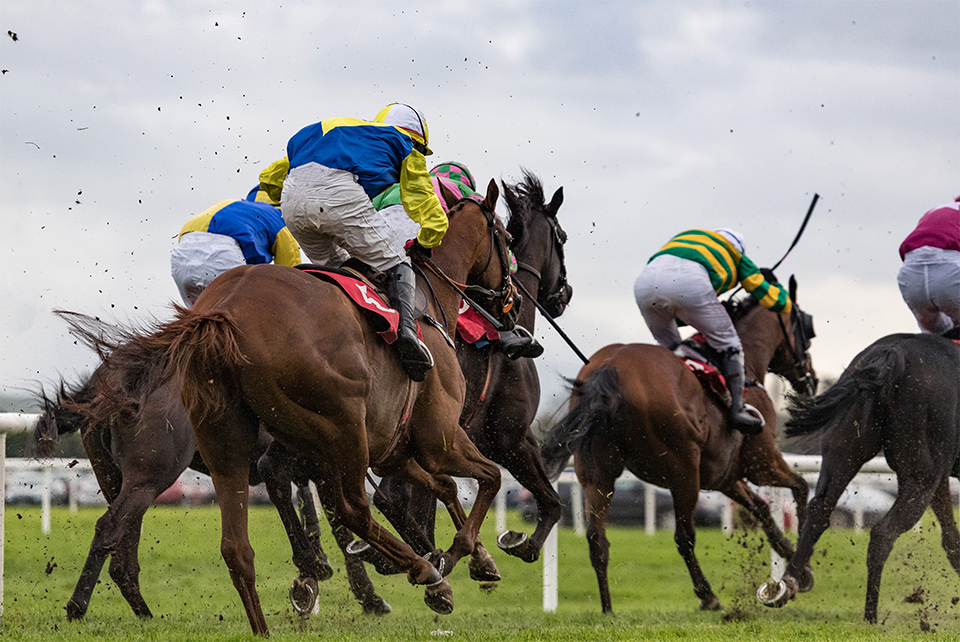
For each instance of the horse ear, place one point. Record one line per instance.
(449, 198)
(556, 201)
(493, 193)
(793, 288)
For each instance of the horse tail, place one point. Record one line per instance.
(204, 355)
(198, 348)
(57, 417)
(598, 399)
(861, 388)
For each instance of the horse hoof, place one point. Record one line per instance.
(432, 576)
(303, 595)
(366, 553)
(377, 607)
(484, 569)
(776, 594)
(324, 570)
(518, 545)
(711, 603)
(805, 584)
(439, 597)
(74, 611)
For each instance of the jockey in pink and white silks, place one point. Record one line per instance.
(336, 167)
(929, 279)
(683, 280)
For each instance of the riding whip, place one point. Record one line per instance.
(556, 327)
(803, 226)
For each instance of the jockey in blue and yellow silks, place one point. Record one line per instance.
(682, 281)
(337, 166)
(229, 234)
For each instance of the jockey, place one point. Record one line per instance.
(457, 178)
(929, 279)
(229, 234)
(683, 280)
(336, 167)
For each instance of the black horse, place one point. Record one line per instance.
(502, 393)
(140, 454)
(901, 395)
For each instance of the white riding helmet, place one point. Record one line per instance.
(410, 120)
(734, 237)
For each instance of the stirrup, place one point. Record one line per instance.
(522, 344)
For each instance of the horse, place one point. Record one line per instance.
(502, 393)
(638, 407)
(137, 455)
(899, 395)
(272, 344)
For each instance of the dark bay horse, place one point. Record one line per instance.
(901, 395)
(272, 344)
(141, 452)
(638, 407)
(502, 393)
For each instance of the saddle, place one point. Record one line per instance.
(365, 287)
(701, 360)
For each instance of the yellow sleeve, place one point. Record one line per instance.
(286, 250)
(420, 201)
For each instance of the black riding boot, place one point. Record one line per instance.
(518, 343)
(739, 418)
(414, 355)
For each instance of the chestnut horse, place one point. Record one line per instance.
(502, 393)
(900, 395)
(639, 407)
(271, 344)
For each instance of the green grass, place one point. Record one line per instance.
(186, 584)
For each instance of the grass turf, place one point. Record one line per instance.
(186, 584)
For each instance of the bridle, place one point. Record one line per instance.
(802, 325)
(553, 299)
(477, 296)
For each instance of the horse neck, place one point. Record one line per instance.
(528, 311)
(761, 335)
(531, 251)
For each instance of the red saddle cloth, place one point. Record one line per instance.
(710, 378)
(385, 320)
(472, 327)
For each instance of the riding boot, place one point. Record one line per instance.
(414, 355)
(738, 417)
(518, 343)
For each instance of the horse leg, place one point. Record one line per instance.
(526, 466)
(685, 497)
(125, 563)
(913, 497)
(276, 466)
(359, 581)
(227, 447)
(482, 566)
(410, 509)
(942, 505)
(597, 493)
(743, 495)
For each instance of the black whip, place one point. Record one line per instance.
(547, 316)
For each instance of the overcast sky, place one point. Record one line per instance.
(120, 120)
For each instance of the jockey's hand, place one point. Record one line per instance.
(413, 247)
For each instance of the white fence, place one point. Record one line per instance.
(780, 499)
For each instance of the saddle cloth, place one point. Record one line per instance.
(473, 328)
(384, 319)
(691, 354)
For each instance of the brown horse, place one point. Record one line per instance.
(271, 344)
(503, 393)
(638, 407)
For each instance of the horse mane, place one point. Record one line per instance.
(522, 199)
(856, 391)
(599, 397)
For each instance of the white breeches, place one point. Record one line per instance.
(929, 281)
(333, 219)
(199, 258)
(671, 288)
